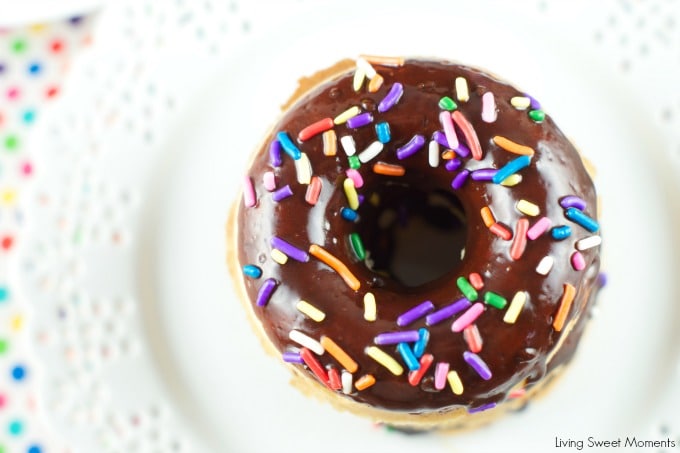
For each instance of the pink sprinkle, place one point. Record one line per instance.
(489, 113)
(468, 317)
(249, 197)
(577, 261)
(269, 181)
(476, 281)
(440, 373)
(449, 130)
(356, 177)
(541, 226)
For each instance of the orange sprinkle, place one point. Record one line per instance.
(338, 266)
(386, 61)
(513, 147)
(375, 83)
(330, 143)
(364, 382)
(339, 354)
(487, 216)
(448, 154)
(565, 305)
(382, 168)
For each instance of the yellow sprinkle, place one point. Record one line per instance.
(347, 114)
(370, 314)
(375, 83)
(528, 208)
(8, 197)
(520, 102)
(330, 143)
(311, 311)
(385, 360)
(462, 92)
(512, 180)
(339, 354)
(364, 382)
(515, 307)
(351, 193)
(359, 76)
(455, 382)
(487, 216)
(303, 169)
(279, 257)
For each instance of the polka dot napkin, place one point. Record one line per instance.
(33, 62)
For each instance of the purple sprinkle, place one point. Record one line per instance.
(602, 279)
(460, 179)
(265, 292)
(447, 312)
(275, 153)
(391, 98)
(289, 249)
(415, 313)
(453, 164)
(406, 336)
(360, 120)
(361, 198)
(572, 201)
(483, 174)
(440, 138)
(292, 357)
(478, 365)
(411, 147)
(482, 408)
(462, 150)
(283, 192)
(535, 105)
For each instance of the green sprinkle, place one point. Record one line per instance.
(11, 142)
(4, 346)
(537, 115)
(466, 288)
(354, 162)
(447, 103)
(18, 45)
(357, 246)
(495, 300)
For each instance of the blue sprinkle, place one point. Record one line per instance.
(252, 271)
(382, 130)
(582, 219)
(511, 168)
(421, 344)
(288, 145)
(409, 358)
(349, 214)
(561, 232)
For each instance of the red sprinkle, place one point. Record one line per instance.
(520, 243)
(313, 190)
(414, 377)
(501, 231)
(473, 338)
(334, 381)
(315, 129)
(314, 365)
(476, 281)
(469, 134)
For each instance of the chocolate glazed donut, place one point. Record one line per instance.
(418, 237)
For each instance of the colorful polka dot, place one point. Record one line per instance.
(8, 197)
(26, 168)
(4, 346)
(2, 67)
(19, 373)
(28, 117)
(11, 142)
(34, 68)
(15, 428)
(56, 46)
(51, 91)
(19, 45)
(3, 401)
(3, 449)
(4, 294)
(13, 93)
(34, 449)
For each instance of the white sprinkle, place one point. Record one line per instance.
(369, 307)
(303, 169)
(433, 154)
(369, 71)
(462, 93)
(588, 243)
(348, 145)
(269, 181)
(311, 311)
(528, 208)
(347, 379)
(279, 257)
(545, 265)
(359, 76)
(512, 180)
(520, 102)
(306, 341)
(370, 152)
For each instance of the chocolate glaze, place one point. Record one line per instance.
(523, 352)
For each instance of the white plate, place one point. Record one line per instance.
(127, 262)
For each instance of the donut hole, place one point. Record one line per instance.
(411, 236)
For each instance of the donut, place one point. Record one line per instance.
(418, 242)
